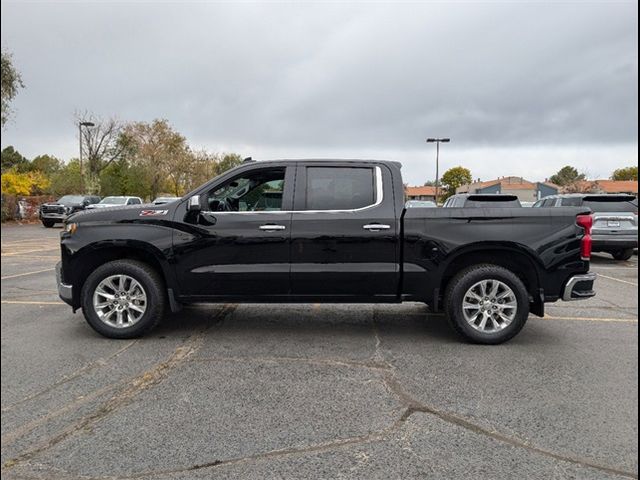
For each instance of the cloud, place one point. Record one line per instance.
(529, 83)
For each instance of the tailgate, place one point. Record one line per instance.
(615, 223)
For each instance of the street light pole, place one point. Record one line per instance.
(80, 125)
(437, 141)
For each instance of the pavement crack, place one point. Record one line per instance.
(124, 395)
(334, 362)
(101, 362)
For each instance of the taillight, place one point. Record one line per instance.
(586, 222)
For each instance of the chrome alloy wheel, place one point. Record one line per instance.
(120, 301)
(489, 306)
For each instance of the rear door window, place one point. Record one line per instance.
(340, 188)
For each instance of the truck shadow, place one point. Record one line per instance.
(311, 324)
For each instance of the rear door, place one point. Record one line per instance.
(344, 232)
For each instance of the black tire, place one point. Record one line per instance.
(625, 254)
(150, 281)
(465, 280)
(48, 223)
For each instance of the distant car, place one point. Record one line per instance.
(107, 202)
(57, 212)
(527, 204)
(420, 204)
(487, 200)
(162, 200)
(615, 220)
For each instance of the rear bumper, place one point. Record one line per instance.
(64, 291)
(579, 287)
(613, 242)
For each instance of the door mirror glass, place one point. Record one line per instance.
(194, 204)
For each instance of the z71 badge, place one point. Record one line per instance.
(153, 213)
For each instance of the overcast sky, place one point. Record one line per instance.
(521, 88)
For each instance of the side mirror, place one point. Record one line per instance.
(85, 202)
(194, 204)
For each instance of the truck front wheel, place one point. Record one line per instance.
(123, 299)
(487, 304)
(48, 223)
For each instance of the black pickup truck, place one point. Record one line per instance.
(331, 231)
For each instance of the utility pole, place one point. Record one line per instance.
(437, 141)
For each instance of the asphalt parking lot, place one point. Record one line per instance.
(313, 391)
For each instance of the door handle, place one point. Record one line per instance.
(376, 227)
(272, 228)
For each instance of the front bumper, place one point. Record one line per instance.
(64, 291)
(579, 287)
(57, 217)
(614, 242)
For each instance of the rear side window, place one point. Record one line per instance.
(549, 202)
(572, 202)
(340, 188)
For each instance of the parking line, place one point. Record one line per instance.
(593, 319)
(618, 280)
(27, 302)
(27, 273)
(9, 254)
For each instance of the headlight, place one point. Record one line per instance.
(71, 228)
(68, 209)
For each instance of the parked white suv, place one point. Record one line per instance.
(116, 201)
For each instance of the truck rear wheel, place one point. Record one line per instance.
(625, 254)
(123, 299)
(487, 304)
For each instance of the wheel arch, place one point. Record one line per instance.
(91, 257)
(514, 257)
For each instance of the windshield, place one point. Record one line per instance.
(114, 200)
(611, 204)
(71, 199)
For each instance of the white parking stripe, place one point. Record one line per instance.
(618, 280)
(27, 273)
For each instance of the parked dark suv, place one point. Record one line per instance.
(615, 220)
(57, 212)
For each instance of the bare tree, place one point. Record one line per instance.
(101, 145)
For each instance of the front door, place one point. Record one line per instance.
(238, 245)
(344, 234)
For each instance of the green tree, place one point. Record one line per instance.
(10, 158)
(46, 164)
(161, 152)
(67, 180)
(124, 178)
(11, 82)
(453, 178)
(628, 173)
(566, 176)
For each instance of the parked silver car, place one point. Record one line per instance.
(615, 220)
